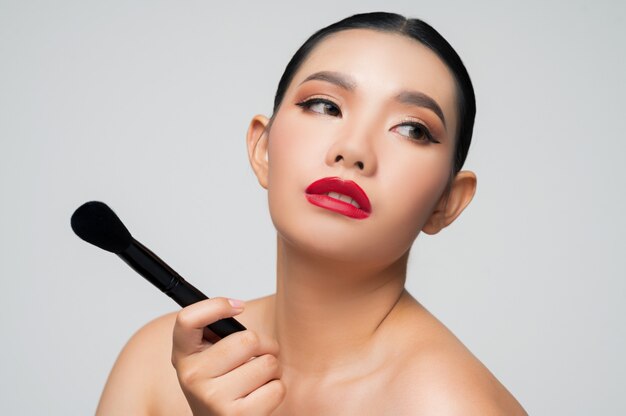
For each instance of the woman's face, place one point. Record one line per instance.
(351, 112)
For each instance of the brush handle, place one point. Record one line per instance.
(157, 272)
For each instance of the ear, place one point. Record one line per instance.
(452, 203)
(257, 143)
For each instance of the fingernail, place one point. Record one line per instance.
(237, 304)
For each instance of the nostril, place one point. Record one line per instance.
(358, 163)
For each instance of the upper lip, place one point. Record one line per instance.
(345, 187)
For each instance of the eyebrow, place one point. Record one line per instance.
(405, 97)
(337, 78)
(421, 100)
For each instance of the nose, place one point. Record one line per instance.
(353, 152)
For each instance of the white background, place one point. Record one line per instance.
(145, 105)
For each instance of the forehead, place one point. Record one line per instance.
(383, 63)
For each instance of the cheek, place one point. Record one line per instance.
(289, 150)
(292, 151)
(419, 179)
(297, 148)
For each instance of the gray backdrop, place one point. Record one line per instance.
(145, 105)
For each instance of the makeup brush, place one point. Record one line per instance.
(97, 224)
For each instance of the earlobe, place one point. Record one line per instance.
(451, 205)
(258, 144)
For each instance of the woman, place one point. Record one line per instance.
(371, 125)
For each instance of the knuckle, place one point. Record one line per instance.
(188, 376)
(250, 340)
(183, 319)
(278, 390)
(269, 361)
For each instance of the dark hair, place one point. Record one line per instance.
(415, 29)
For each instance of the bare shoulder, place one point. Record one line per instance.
(143, 372)
(440, 376)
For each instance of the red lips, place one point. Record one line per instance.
(316, 193)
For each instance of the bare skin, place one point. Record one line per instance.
(341, 336)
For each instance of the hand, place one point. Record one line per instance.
(237, 375)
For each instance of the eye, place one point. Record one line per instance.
(321, 106)
(417, 132)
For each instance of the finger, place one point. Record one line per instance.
(248, 377)
(191, 320)
(232, 352)
(263, 400)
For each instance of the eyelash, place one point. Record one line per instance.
(307, 104)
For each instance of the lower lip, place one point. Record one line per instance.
(341, 207)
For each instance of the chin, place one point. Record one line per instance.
(339, 241)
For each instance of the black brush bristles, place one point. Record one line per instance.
(97, 224)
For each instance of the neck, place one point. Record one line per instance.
(324, 305)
